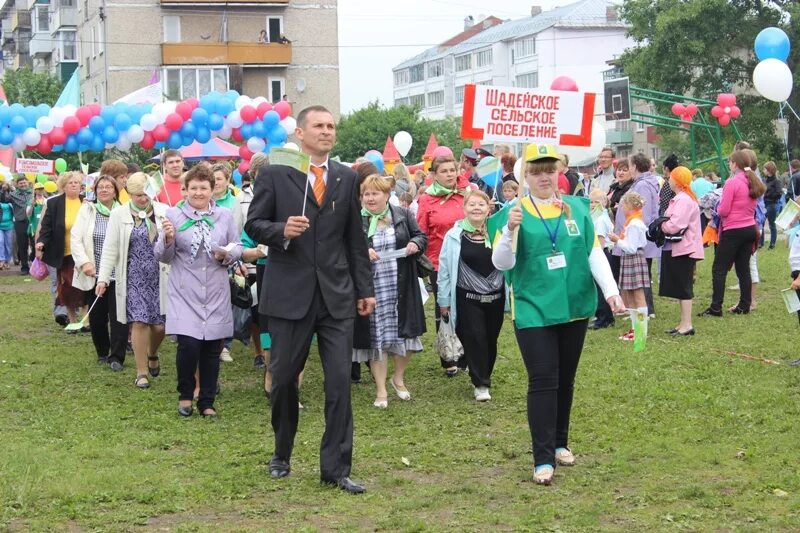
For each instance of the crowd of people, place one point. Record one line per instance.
(346, 256)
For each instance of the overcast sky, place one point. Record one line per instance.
(376, 35)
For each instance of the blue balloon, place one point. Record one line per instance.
(122, 122)
(203, 135)
(209, 103)
(58, 148)
(160, 145)
(247, 131)
(772, 43)
(376, 159)
(188, 130)
(43, 109)
(237, 177)
(97, 144)
(200, 116)
(232, 95)
(110, 135)
(16, 108)
(97, 124)
(108, 113)
(277, 135)
(259, 129)
(175, 140)
(215, 122)
(271, 119)
(85, 136)
(17, 124)
(6, 137)
(71, 145)
(5, 115)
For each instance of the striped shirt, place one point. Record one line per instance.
(99, 237)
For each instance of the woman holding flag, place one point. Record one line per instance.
(550, 269)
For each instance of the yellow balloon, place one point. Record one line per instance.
(31, 176)
(50, 187)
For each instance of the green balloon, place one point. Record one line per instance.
(61, 165)
(41, 178)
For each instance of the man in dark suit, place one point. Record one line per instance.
(317, 276)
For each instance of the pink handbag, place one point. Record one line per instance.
(38, 270)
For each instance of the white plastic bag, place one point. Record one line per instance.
(448, 346)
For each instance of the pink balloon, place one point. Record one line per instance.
(243, 166)
(444, 151)
(735, 112)
(716, 111)
(724, 120)
(691, 110)
(283, 108)
(564, 83)
(726, 100)
(686, 118)
(678, 109)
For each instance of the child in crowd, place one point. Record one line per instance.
(633, 277)
(6, 232)
(510, 190)
(598, 203)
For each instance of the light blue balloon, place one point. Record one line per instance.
(85, 136)
(246, 131)
(271, 119)
(188, 130)
(237, 177)
(200, 116)
(376, 159)
(772, 43)
(203, 135)
(175, 140)
(110, 135)
(6, 137)
(71, 145)
(5, 115)
(17, 124)
(97, 144)
(97, 124)
(259, 129)
(122, 122)
(31, 114)
(215, 122)
(277, 135)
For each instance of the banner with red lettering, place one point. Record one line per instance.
(513, 114)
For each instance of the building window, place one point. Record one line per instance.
(463, 63)
(67, 3)
(484, 58)
(86, 10)
(401, 77)
(277, 88)
(101, 38)
(398, 102)
(274, 29)
(183, 83)
(172, 29)
(416, 73)
(435, 69)
(529, 81)
(41, 20)
(417, 100)
(485, 82)
(68, 48)
(436, 99)
(459, 94)
(524, 48)
(94, 42)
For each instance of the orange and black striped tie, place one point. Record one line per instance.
(319, 184)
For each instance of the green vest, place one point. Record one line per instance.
(33, 220)
(540, 296)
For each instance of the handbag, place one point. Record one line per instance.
(424, 266)
(448, 346)
(657, 235)
(241, 294)
(38, 269)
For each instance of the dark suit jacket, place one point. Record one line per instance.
(52, 231)
(331, 253)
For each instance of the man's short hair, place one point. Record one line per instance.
(301, 117)
(609, 149)
(795, 164)
(671, 162)
(172, 153)
(640, 162)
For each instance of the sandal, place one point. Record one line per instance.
(154, 371)
(401, 390)
(141, 381)
(381, 403)
(543, 474)
(451, 372)
(209, 412)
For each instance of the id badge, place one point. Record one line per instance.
(556, 261)
(572, 228)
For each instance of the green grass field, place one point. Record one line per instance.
(685, 436)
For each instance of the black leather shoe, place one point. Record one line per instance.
(278, 468)
(672, 331)
(711, 312)
(688, 332)
(154, 371)
(185, 411)
(600, 325)
(346, 484)
(740, 311)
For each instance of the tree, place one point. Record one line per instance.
(28, 88)
(703, 48)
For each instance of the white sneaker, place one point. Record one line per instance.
(565, 457)
(482, 394)
(225, 356)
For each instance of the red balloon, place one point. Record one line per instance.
(83, 114)
(686, 118)
(262, 109)
(691, 110)
(58, 136)
(161, 133)
(72, 125)
(243, 166)
(564, 83)
(148, 142)
(726, 99)
(174, 121)
(724, 120)
(193, 102)
(284, 109)
(735, 112)
(717, 111)
(245, 152)
(96, 109)
(44, 146)
(184, 110)
(248, 114)
(678, 109)
(236, 135)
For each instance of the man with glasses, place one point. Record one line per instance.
(605, 171)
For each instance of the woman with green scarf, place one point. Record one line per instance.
(87, 236)
(471, 291)
(140, 287)
(399, 318)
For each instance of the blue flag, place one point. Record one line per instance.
(72, 91)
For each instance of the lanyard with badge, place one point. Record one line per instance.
(556, 260)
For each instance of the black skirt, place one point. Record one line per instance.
(677, 276)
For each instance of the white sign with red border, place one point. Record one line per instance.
(35, 166)
(509, 114)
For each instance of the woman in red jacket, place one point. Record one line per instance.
(440, 207)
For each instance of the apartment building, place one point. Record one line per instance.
(576, 40)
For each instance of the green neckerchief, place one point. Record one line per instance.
(374, 218)
(191, 222)
(103, 210)
(226, 199)
(136, 210)
(437, 189)
(467, 226)
(180, 203)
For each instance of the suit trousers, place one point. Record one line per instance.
(104, 318)
(21, 234)
(203, 355)
(291, 340)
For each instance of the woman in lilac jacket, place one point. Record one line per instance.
(198, 240)
(678, 258)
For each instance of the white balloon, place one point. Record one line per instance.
(258, 100)
(255, 144)
(518, 170)
(44, 124)
(242, 101)
(31, 136)
(58, 115)
(224, 133)
(135, 133)
(124, 144)
(291, 146)
(18, 145)
(403, 141)
(234, 119)
(289, 124)
(148, 122)
(69, 109)
(773, 80)
(581, 154)
(161, 110)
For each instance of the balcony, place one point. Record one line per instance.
(195, 3)
(20, 20)
(41, 45)
(226, 54)
(614, 137)
(64, 16)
